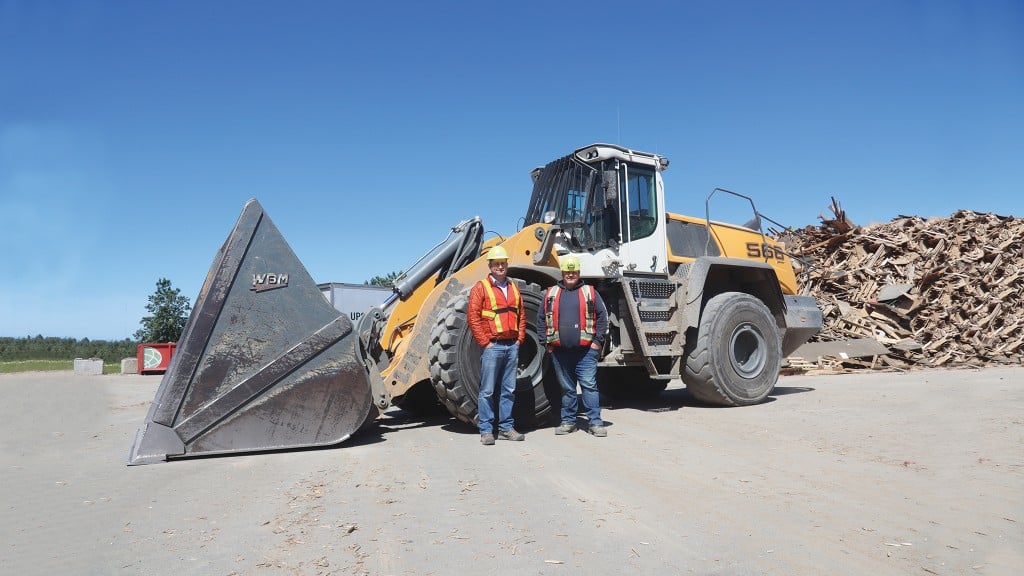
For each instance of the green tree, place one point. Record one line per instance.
(169, 311)
(388, 280)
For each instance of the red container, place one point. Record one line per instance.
(155, 358)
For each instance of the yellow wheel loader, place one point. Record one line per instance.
(266, 363)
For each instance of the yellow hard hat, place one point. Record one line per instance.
(569, 264)
(497, 253)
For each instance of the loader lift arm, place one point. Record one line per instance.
(376, 345)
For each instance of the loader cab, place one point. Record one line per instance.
(609, 203)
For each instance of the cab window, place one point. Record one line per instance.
(641, 210)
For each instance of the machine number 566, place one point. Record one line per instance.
(755, 250)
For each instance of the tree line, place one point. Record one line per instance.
(43, 348)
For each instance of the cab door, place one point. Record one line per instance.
(642, 220)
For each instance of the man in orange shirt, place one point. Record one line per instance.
(497, 320)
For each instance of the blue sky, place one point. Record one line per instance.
(132, 132)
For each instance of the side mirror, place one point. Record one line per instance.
(610, 184)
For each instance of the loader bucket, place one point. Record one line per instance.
(264, 362)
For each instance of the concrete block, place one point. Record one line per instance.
(129, 366)
(89, 366)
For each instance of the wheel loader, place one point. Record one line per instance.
(266, 363)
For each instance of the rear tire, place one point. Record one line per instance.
(455, 364)
(735, 358)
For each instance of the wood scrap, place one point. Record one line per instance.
(937, 291)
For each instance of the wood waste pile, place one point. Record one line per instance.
(915, 292)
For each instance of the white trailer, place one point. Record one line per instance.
(354, 299)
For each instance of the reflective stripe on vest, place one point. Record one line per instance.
(588, 315)
(495, 313)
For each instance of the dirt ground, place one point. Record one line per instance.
(877, 473)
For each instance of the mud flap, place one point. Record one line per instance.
(265, 361)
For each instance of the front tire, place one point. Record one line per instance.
(455, 364)
(735, 358)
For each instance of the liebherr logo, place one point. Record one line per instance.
(269, 281)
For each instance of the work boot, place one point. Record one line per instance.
(565, 429)
(511, 434)
(598, 430)
(487, 439)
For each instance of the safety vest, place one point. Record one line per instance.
(508, 313)
(588, 315)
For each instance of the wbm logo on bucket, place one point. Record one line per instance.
(269, 281)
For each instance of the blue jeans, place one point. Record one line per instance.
(574, 365)
(498, 364)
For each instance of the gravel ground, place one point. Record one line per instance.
(874, 473)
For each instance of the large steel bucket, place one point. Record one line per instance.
(264, 363)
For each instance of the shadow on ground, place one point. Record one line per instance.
(677, 398)
(396, 419)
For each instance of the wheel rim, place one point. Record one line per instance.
(747, 351)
